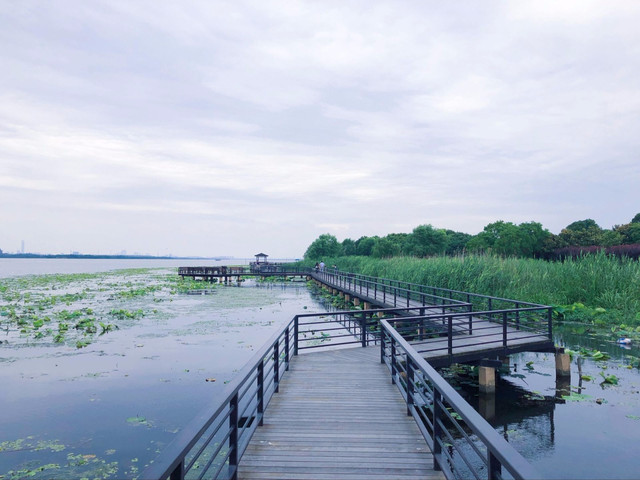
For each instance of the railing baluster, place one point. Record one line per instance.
(494, 468)
(276, 366)
(286, 348)
(261, 392)
(410, 385)
(233, 436)
(394, 368)
(178, 473)
(295, 335)
(504, 330)
(437, 429)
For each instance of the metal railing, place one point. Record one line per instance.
(213, 443)
(399, 293)
(463, 443)
(506, 329)
(251, 269)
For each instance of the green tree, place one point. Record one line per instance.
(426, 240)
(528, 239)
(533, 239)
(582, 233)
(636, 219)
(383, 248)
(630, 232)
(325, 245)
(456, 242)
(364, 245)
(349, 247)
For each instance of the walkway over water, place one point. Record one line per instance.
(447, 326)
(332, 413)
(345, 423)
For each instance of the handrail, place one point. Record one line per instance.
(264, 365)
(231, 421)
(360, 279)
(233, 270)
(429, 400)
(218, 436)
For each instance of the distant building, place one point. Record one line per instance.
(261, 258)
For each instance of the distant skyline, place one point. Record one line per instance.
(207, 128)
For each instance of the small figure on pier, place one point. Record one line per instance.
(322, 265)
(317, 267)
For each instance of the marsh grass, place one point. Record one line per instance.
(598, 289)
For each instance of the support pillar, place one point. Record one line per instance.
(367, 306)
(487, 406)
(347, 297)
(487, 378)
(356, 301)
(563, 365)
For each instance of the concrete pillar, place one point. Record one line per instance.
(341, 294)
(487, 378)
(563, 387)
(347, 297)
(563, 365)
(356, 301)
(487, 406)
(367, 306)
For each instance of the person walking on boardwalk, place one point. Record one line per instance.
(317, 267)
(321, 266)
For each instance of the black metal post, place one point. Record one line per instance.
(276, 366)
(437, 446)
(261, 392)
(286, 349)
(363, 326)
(450, 335)
(233, 436)
(178, 473)
(394, 368)
(504, 329)
(295, 335)
(410, 385)
(494, 467)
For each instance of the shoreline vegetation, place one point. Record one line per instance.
(597, 290)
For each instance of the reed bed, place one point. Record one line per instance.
(597, 281)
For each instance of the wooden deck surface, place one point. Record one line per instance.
(338, 416)
(486, 336)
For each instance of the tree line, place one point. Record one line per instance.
(527, 240)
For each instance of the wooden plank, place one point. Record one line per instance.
(338, 416)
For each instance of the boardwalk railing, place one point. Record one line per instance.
(463, 443)
(506, 330)
(399, 293)
(262, 269)
(212, 444)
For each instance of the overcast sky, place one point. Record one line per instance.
(229, 128)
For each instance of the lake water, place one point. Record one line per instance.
(106, 409)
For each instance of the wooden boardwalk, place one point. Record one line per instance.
(486, 338)
(338, 416)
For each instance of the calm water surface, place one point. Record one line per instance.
(106, 410)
